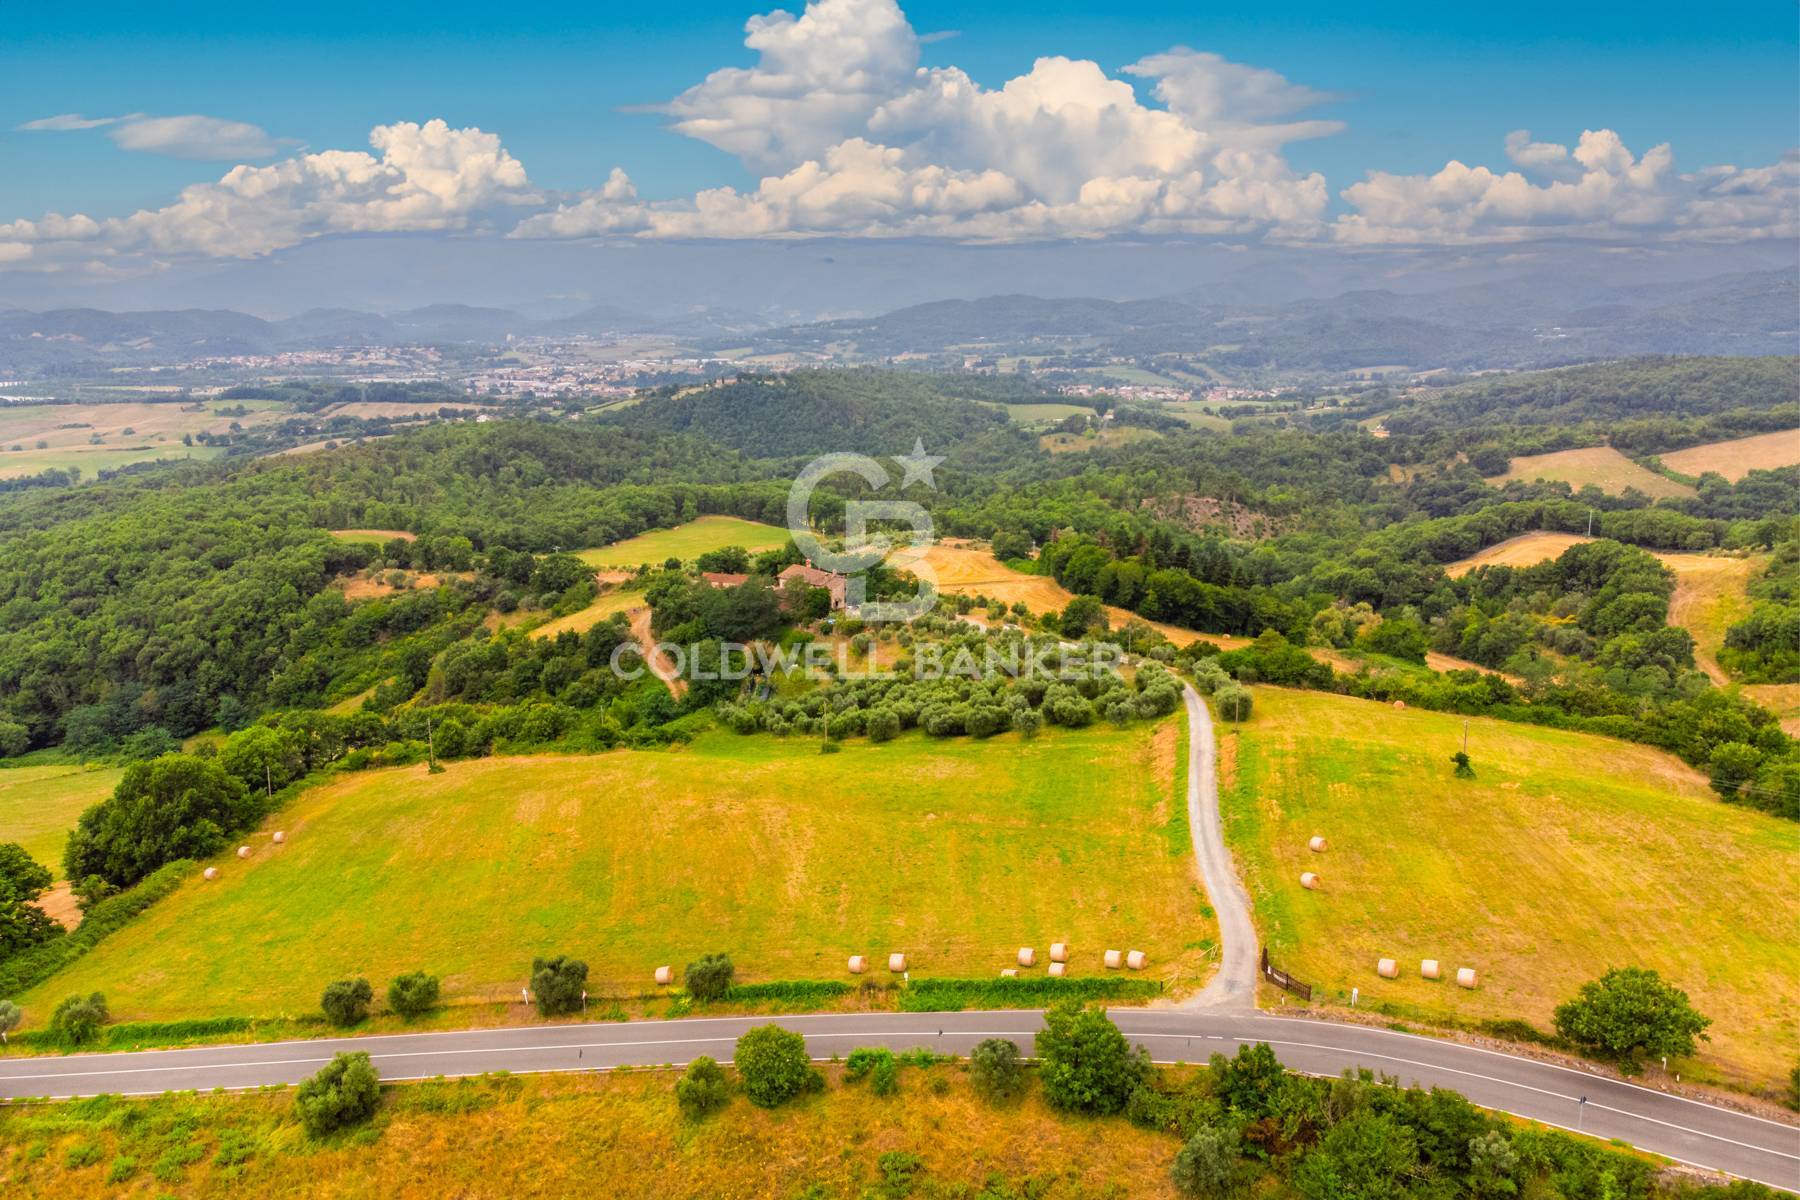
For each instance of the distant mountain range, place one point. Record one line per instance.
(76, 337)
(1524, 321)
(1518, 323)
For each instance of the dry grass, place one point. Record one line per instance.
(1112, 435)
(1709, 598)
(953, 850)
(1601, 466)
(1782, 699)
(1738, 457)
(963, 568)
(1526, 550)
(1566, 855)
(611, 1135)
(608, 604)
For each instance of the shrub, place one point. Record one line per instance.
(773, 1064)
(559, 984)
(1628, 1012)
(1206, 1164)
(343, 1093)
(997, 1070)
(413, 994)
(702, 1088)
(176, 806)
(710, 978)
(11, 1014)
(77, 1020)
(346, 1001)
(1087, 1065)
(878, 1064)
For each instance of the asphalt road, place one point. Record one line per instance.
(1220, 1019)
(1691, 1132)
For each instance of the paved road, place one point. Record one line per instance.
(1669, 1125)
(1235, 984)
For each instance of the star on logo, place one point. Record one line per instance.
(918, 465)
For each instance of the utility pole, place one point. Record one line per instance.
(430, 746)
(1590, 531)
(1465, 735)
(268, 781)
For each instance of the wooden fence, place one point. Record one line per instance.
(1282, 979)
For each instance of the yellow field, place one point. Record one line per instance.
(954, 851)
(601, 1135)
(39, 805)
(687, 542)
(1738, 457)
(1113, 435)
(617, 601)
(1782, 699)
(1566, 855)
(1601, 466)
(156, 431)
(376, 536)
(1526, 550)
(1709, 598)
(966, 569)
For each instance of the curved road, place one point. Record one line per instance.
(1691, 1132)
(1219, 1020)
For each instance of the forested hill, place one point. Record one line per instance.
(164, 595)
(1662, 388)
(816, 412)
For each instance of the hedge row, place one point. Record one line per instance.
(31, 967)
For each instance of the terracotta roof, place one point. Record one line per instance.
(814, 577)
(724, 579)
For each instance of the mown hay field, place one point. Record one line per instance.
(1739, 456)
(1601, 466)
(956, 852)
(1567, 854)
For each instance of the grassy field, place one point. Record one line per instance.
(617, 601)
(39, 804)
(1113, 435)
(1042, 414)
(155, 433)
(1601, 466)
(614, 1135)
(687, 542)
(373, 537)
(1738, 457)
(954, 851)
(1566, 855)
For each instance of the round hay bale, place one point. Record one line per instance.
(1009, 972)
(1059, 952)
(1316, 845)
(1387, 968)
(1309, 881)
(665, 975)
(1058, 969)
(1136, 960)
(243, 852)
(1400, 705)
(280, 837)
(1429, 969)
(896, 962)
(858, 964)
(1114, 958)
(1027, 956)
(210, 873)
(1465, 977)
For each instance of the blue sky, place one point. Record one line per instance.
(1400, 125)
(1421, 82)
